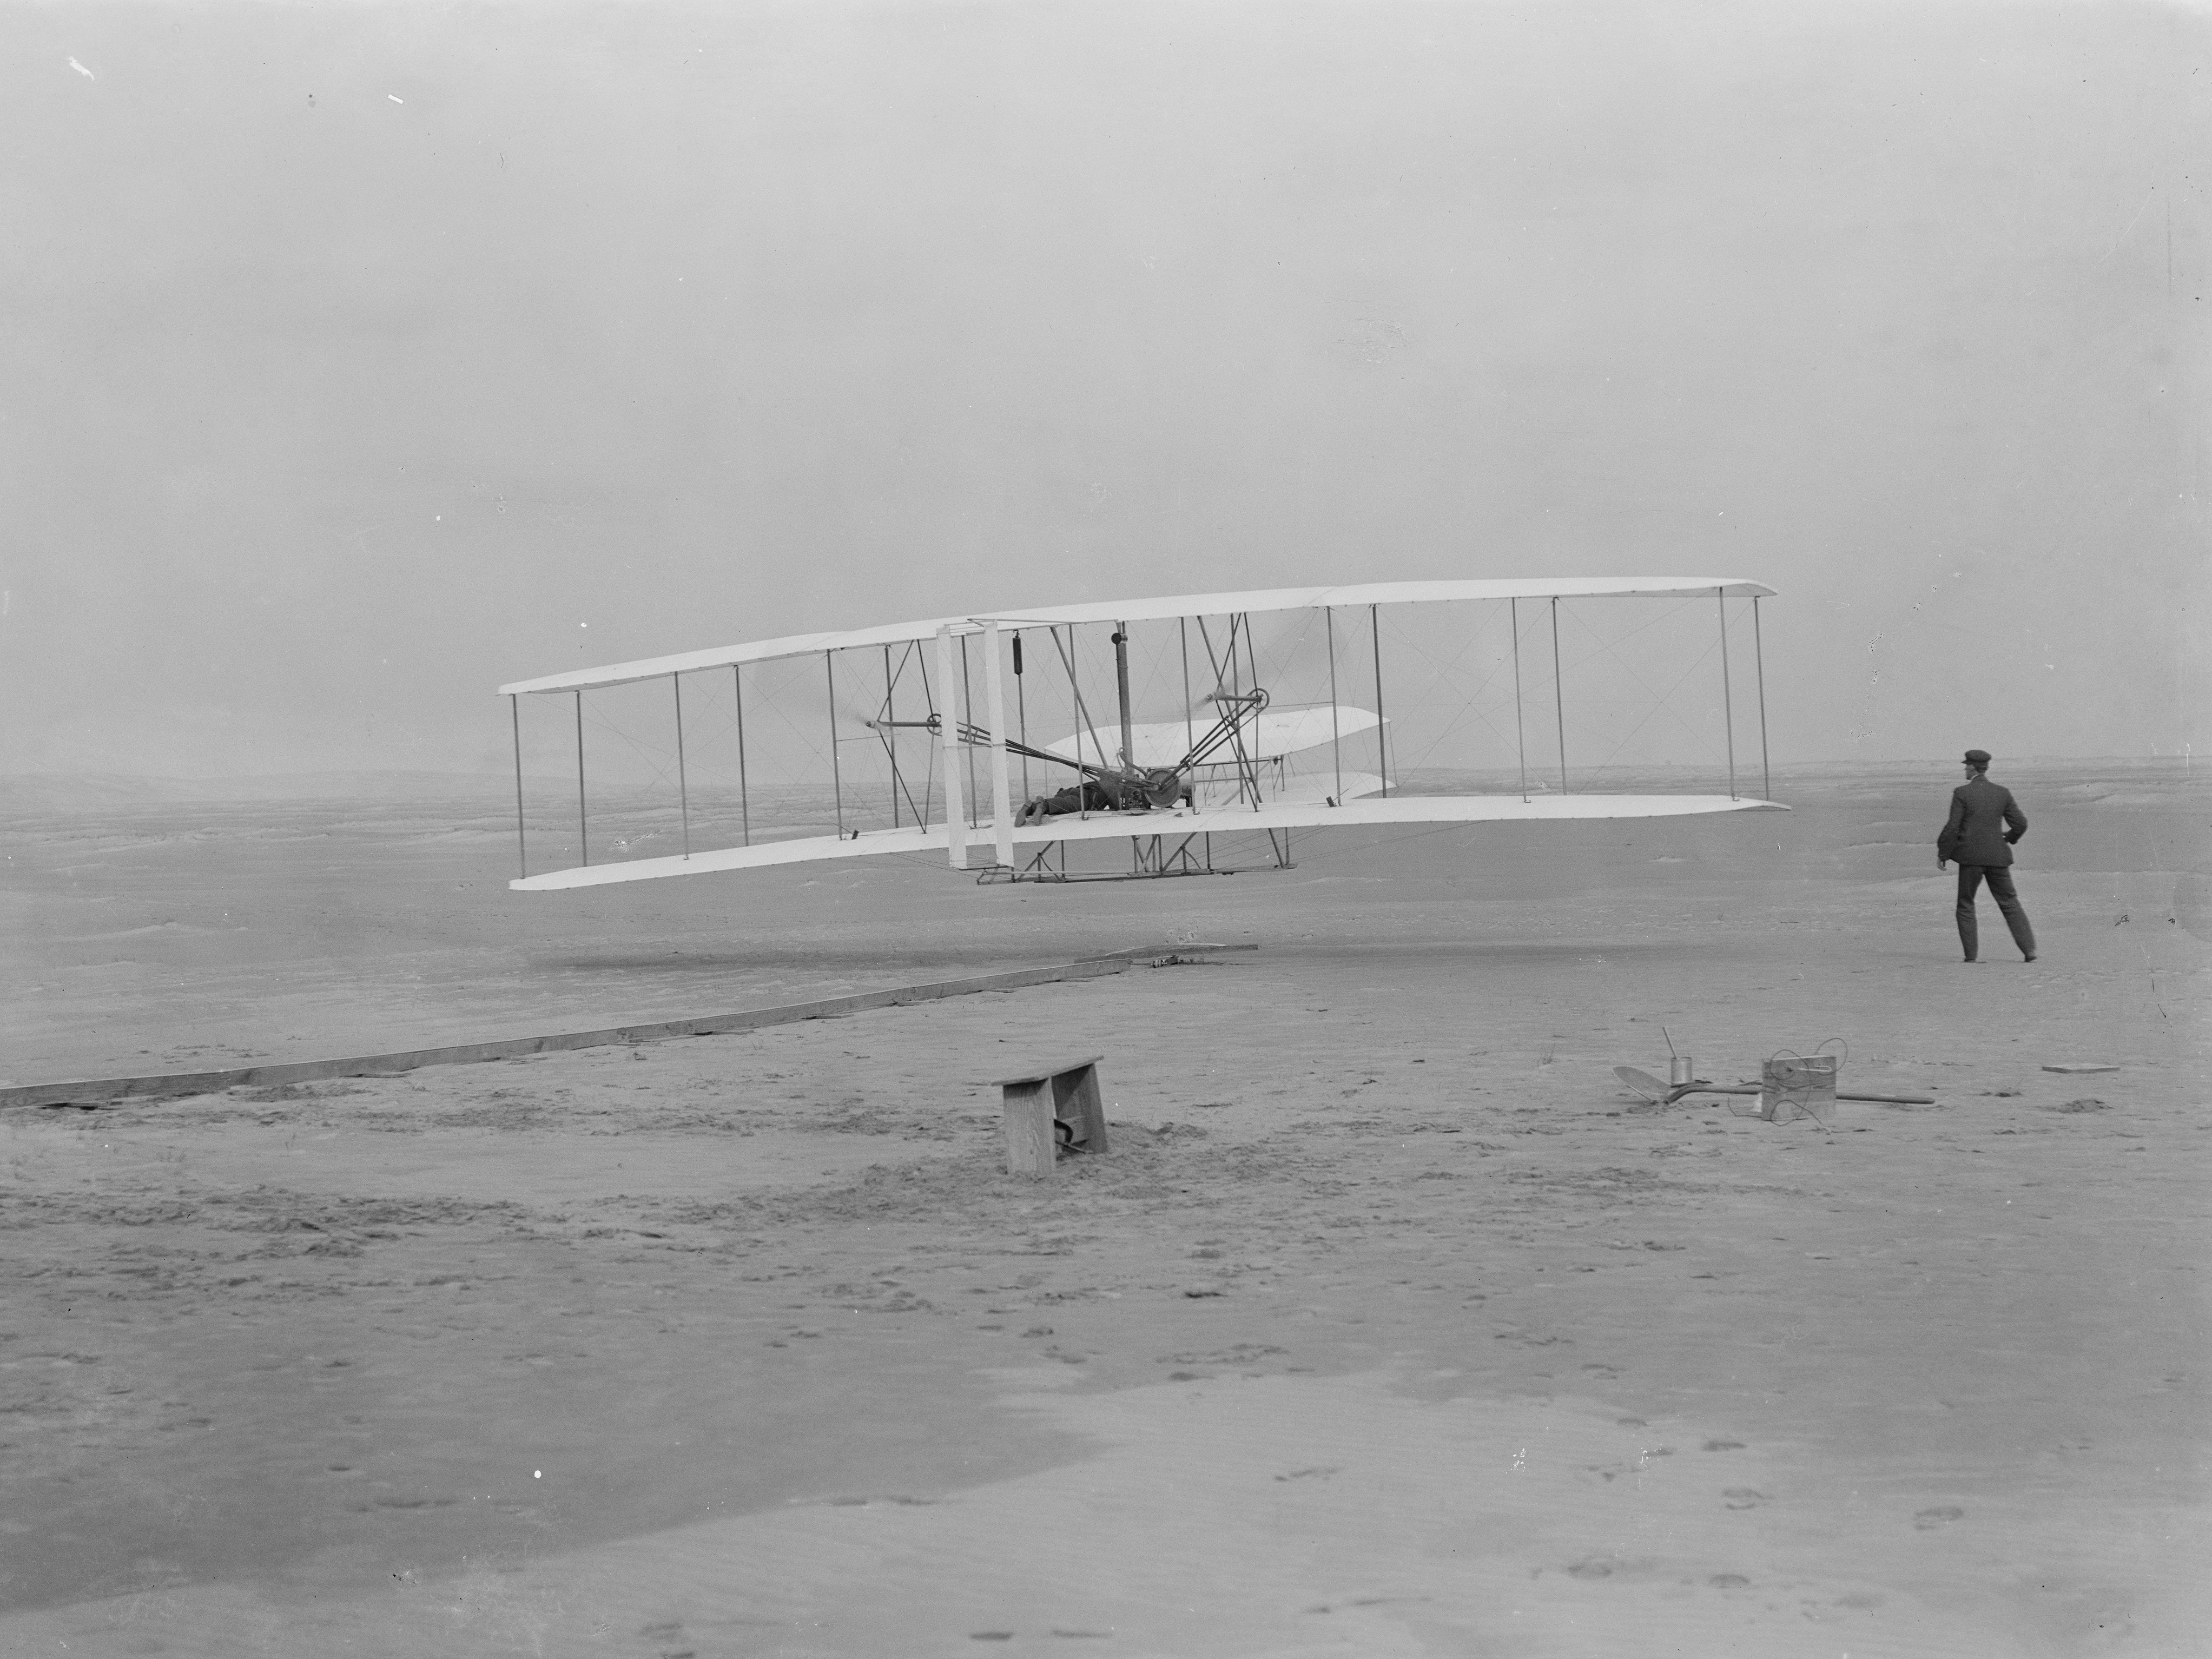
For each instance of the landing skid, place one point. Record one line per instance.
(1151, 859)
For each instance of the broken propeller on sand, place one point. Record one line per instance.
(1650, 1088)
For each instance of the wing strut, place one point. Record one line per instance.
(1022, 712)
(1252, 664)
(521, 845)
(1558, 696)
(928, 774)
(968, 717)
(1335, 736)
(583, 820)
(1083, 718)
(890, 738)
(956, 816)
(1381, 731)
(1759, 655)
(1520, 740)
(1727, 701)
(1251, 764)
(1002, 810)
(744, 795)
(888, 728)
(1234, 705)
(1189, 727)
(836, 779)
(682, 785)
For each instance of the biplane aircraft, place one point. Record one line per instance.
(1265, 714)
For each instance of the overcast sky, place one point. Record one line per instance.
(356, 358)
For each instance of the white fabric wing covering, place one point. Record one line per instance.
(1132, 611)
(1105, 826)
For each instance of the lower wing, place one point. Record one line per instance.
(1205, 820)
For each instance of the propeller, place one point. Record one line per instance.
(1652, 1089)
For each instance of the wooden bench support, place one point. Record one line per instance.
(1048, 1113)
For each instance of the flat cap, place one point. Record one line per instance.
(1978, 757)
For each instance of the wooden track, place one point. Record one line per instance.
(176, 1084)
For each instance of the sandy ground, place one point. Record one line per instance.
(1388, 1325)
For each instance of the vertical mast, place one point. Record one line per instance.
(1122, 685)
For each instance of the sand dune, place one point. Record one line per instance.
(1388, 1325)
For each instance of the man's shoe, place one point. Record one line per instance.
(2030, 956)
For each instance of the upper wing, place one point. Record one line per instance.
(1211, 820)
(1185, 605)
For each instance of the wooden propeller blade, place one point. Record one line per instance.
(1643, 1082)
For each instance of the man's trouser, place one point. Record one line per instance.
(1999, 876)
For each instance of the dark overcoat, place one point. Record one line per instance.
(1985, 820)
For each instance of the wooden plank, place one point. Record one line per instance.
(1077, 1102)
(1046, 1074)
(1032, 1147)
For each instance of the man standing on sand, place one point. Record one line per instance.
(1984, 822)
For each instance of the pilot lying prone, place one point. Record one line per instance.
(1142, 791)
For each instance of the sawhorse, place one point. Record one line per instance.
(1049, 1111)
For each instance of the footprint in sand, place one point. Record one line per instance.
(1743, 1498)
(1941, 1515)
(1728, 1581)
